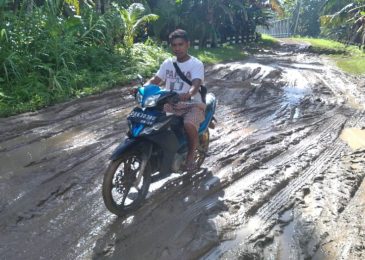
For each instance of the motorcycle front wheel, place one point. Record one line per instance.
(122, 191)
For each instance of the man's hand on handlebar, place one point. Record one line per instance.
(184, 96)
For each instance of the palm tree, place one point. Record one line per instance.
(345, 20)
(134, 18)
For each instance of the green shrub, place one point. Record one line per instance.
(46, 58)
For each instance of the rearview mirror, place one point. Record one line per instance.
(140, 79)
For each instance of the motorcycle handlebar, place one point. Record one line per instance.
(175, 98)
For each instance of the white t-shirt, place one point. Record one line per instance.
(192, 69)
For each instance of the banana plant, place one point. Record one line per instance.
(349, 19)
(133, 19)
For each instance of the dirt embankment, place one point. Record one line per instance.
(283, 180)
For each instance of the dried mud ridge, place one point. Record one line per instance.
(283, 180)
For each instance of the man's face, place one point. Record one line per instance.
(180, 47)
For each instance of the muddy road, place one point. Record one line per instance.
(283, 179)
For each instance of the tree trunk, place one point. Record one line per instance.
(98, 6)
(30, 4)
(106, 5)
(16, 5)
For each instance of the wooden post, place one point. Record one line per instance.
(196, 44)
(209, 43)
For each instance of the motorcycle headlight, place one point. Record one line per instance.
(151, 101)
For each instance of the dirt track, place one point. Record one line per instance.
(283, 180)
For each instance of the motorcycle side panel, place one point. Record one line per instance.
(169, 144)
(209, 112)
(121, 148)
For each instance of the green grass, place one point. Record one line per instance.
(268, 41)
(347, 57)
(352, 65)
(222, 54)
(325, 46)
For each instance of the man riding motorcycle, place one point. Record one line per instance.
(184, 77)
(159, 143)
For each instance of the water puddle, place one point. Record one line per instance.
(284, 246)
(297, 87)
(354, 103)
(15, 160)
(354, 137)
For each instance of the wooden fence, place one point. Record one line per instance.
(229, 40)
(278, 28)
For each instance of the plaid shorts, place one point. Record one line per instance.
(192, 113)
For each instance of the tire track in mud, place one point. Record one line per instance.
(268, 171)
(317, 210)
(297, 147)
(320, 164)
(280, 204)
(255, 229)
(283, 198)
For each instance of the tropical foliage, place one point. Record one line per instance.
(50, 56)
(209, 20)
(133, 18)
(335, 19)
(304, 15)
(344, 20)
(53, 50)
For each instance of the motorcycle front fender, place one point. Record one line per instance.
(121, 148)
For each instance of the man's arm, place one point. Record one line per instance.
(192, 91)
(196, 83)
(197, 75)
(154, 80)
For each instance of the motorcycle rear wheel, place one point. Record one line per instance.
(121, 193)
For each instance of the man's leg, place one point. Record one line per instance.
(192, 120)
(193, 139)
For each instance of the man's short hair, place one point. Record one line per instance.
(179, 33)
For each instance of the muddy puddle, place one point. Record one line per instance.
(283, 178)
(355, 137)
